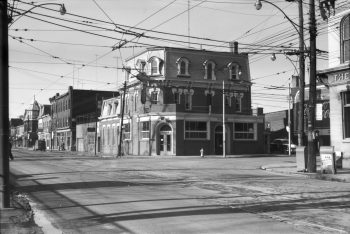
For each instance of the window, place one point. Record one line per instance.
(238, 101)
(113, 135)
(228, 100)
(156, 65)
(345, 39)
(238, 104)
(196, 130)
(154, 97)
(126, 131)
(244, 131)
(188, 101)
(209, 70)
(144, 130)
(234, 71)
(177, 98)
(346, 114)
(182, 66)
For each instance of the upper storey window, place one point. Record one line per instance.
(234, 71)
(183, 67)
(345, 39)
(209, 70)
(156, 65)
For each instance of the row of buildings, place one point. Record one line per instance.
(176, 101)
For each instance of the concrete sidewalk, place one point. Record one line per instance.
(342, 175)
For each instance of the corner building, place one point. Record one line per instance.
(174, 105)
(337, 79)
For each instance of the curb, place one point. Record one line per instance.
(318, 176)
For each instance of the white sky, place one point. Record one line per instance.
(53, 60)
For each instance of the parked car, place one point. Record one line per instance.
(282, 146)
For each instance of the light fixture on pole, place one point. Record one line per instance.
(302, 48)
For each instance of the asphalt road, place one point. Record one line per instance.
(80, 194)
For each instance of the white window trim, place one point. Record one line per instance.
(142, 132)
(158, 61)
(342, 57)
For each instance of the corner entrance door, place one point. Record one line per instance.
(165, 140)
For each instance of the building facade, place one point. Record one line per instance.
(64, 111)
(337, 79)
(174, 104)
(44, 125)
(30, 120)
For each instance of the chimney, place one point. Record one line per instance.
(233, 47)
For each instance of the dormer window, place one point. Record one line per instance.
(209, 70)
(182, 66)
(156, 65)
(345, 39)
(234, 71)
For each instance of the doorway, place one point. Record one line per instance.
(165, 140)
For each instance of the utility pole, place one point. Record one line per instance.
(4, 108)
(311, 165)
(121, 123)
(301, 75)
(223, 121)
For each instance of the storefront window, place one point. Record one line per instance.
(126, 132)
(244, 131)
(346, 114)
(196, 130)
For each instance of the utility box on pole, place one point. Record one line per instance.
(301, 158)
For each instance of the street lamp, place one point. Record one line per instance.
(302, 48)
(62, 11)
(5, 20)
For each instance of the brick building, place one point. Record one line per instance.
(44, 125)
(174, 105)
(64, 111)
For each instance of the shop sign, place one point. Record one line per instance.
(340, 77)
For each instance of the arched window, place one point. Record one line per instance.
(209, 70)
(182, 67)
(156, 65)
(234, 71)
(345, 39)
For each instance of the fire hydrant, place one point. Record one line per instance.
(201, 151)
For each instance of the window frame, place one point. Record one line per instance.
(212, 74)
(234, 71)
(145, 130)
(253, 132)
(183, 65)
(188, 132)
(344, 22)
(345, 103)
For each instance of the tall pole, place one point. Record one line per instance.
(4, 108)
(289, 128)
(223, 121)
(311, 166)
(301, 75)
(121, 123)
